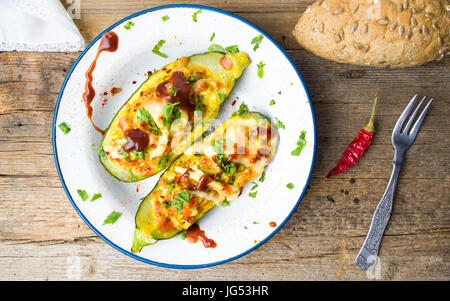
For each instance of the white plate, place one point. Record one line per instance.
(232, 227)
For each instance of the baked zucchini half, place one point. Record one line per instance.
(213, 170)
(167, 113)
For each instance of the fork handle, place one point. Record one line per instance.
(367, 256)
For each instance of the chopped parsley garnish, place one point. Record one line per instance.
(252, 194)
(301, 143)
(138, 155)
(256, 41)
(171, 112)
(156, 48)
(219, 48)
(172, 90)
(280, 124)
(290, 185)
(232, 48)
(132, 177)
(243, 109)
(112, 217)
(183, 198)
(128, 25)
(194, 15)
(165, 18)
(216, 47)
(221, 96)
(172, 185)
(229, 168)
(83, 194)
(64, 127)
(260, 69)
(192, 79)
(254, 186)
(163, 162)
(225, 203)
(272, 102)
(144, 116)
(255, 223)
(96, 196)
(101, 152)
(212, 36)
(263, 177)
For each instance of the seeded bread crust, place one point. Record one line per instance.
(380, 33)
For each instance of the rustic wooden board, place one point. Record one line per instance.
(42, 237)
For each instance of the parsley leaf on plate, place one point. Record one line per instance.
(253, 194)
(232, 48)
(263, 177)
(194, 15)
(83, 194)
(301, 143)
(128, 25)
(243, 109)
(256, 41)
(290, 185)
(157, 47)
(212, 36)
(260, 69)
(112, 217)
(280, 124)
(96, 196)
(165, 18)
(216, 47)
(64, 127)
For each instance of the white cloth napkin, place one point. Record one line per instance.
(37, 25)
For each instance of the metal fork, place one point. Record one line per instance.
(402, 140)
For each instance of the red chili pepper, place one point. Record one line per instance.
(358, 146)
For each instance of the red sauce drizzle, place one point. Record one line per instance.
(202, 183)
(110, 43)
(226, 63)
(194, 234)
(138, 140)
(176, 89)
(273, 224)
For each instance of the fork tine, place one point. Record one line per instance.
(413, 116)
(402, 118)
(419, 121)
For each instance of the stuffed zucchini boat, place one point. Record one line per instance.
(167, 113)
(210, 172)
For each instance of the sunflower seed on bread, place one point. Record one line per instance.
(387, 33)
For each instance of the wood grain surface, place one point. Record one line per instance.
(42, 237)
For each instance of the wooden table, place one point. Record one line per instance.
(42, 237)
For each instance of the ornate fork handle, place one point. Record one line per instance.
(367, 256)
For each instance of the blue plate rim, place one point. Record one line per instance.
(97, 232)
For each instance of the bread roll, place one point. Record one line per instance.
(380, 33)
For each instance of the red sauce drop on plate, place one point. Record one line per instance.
(110, 43)
(138, 140)
(194, 234)
(273, 224)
